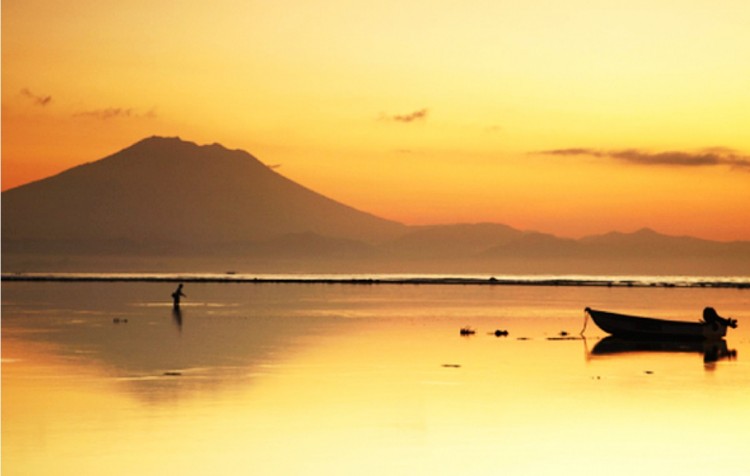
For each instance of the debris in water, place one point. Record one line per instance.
(467, 331)
(499, 333)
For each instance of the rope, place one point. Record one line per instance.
(585, 320)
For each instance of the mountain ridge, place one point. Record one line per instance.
(173, 200)
(166, 189)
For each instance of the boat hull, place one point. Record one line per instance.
(623, 325)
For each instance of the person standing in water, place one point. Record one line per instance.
(176, 296)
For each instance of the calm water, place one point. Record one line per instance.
(277, 379)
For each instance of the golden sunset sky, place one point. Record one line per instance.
(573, 118)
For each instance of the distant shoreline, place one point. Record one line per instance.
(587, 281)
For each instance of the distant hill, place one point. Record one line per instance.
(641, 252)
(451, 241)
(166, 194)
(165, 204)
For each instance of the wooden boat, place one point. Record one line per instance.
(623, 325)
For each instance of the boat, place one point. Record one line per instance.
(622, 325)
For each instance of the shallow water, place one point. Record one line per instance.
(270, 379)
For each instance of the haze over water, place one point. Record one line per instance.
(263, 378)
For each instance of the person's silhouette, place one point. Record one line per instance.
(176, 296)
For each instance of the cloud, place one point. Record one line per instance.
(419, 115)
(571, 151)
(114, 113)
(38, 99)
(704, 158)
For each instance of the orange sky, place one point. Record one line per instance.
(566, 117)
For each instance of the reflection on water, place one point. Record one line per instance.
(177, 317)
(712, 350)
(334, 379)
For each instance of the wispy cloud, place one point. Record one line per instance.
(419, 115)
(702, 158)
(571, 151)
(38, 99)
(114, 113)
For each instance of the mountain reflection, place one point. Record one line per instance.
(127, 331)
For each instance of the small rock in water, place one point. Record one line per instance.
(172, 374)
(499, 333)
(467, 331)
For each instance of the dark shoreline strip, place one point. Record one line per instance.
(374, 281)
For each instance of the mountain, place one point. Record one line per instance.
(167, 195)
(164, 204)
(647, 242)
(642, 252)
(534, 245)
(450, 241)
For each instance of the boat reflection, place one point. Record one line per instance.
(713, 350)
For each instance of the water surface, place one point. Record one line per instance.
(269, 379)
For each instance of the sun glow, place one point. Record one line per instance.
(417, 112)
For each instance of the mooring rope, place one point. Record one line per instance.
(585, 320)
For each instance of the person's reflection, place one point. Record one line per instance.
(177, 317)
